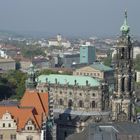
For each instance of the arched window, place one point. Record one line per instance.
(61, 102)
(93, 105)
(81, 104)
(70, 103)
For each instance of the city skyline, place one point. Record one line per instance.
(74, 18)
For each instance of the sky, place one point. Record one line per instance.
(69, 17)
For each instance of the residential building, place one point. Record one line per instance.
(7, 64)
(59, 42)
(87, 54)
(24, 121)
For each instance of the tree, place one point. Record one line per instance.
(13, 84)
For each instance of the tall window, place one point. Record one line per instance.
(61, 102)
(29, 138)
(81, 104)
(13, 136)
(93, 105)
(70, 103)
(3, 124)
(1, 137)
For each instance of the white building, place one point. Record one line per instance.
(59, 41)
(136, 51)
(137, 76)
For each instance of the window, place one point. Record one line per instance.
(9, 125)
(93, 104)
(13, 136)
(81, 104)
(70, 103)
(3, 124)
(70, 93)
(80, 94)
(60, 92)
(29, 128)
(29, 138)
(1, 137)
(93, 94)
(61, 102)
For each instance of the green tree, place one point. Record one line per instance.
(15, 81)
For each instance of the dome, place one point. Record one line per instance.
(125, 28)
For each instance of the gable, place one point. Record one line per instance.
(87, 69)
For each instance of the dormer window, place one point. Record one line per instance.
(29, 128)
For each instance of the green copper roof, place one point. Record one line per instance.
(101, 67)
(125, 28)
(70, 79)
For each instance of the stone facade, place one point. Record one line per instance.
(123, 98)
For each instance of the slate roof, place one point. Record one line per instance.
(108, 131)
(101, 67)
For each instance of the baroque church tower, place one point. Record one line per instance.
(123, 98)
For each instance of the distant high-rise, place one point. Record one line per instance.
(87, 54)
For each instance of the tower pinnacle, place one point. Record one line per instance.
(125, 28)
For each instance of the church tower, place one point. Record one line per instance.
(122, 102)
(31, 82)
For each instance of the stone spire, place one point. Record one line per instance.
(31, 82)
(125, 28)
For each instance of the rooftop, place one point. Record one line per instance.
(101, 67)
(108, 131)
(32, 106)
(68, 79)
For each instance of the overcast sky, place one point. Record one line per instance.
(69, 17)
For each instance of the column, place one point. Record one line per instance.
(126, 83)
(119, 84)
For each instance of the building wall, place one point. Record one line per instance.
(24, 135)
(138, 76)
(69, 59)
(7, 65)
(87, 54)
(7, 133)
(88, 71)
(84, 98)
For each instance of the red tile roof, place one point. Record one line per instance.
(33, 106)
